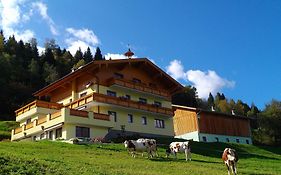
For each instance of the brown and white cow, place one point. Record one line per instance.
(230, 158)
(141, 145)
(176, 147)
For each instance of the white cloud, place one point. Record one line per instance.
(81, 38)
(85, 35)
(41, 50)
(116, 56)
(42, 9)
(204, 82)
(10, 19)
(176, 70)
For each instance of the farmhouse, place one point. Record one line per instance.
(209, 126)
(105, 98)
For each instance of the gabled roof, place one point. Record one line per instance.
(199, 110)
(172, 85)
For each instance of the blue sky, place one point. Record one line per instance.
(230, 46)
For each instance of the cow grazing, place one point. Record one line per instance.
(230, 158)
(141, 145)
(176, 147)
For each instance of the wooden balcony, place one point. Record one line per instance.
(29, 126)
(38, 103)
(42, 120)
(120, 102)
(79, 113)
(18, 130)
(138, 86)
(101, 116)
(55, 115)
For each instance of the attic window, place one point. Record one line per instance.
(135, 80)
(118, 75)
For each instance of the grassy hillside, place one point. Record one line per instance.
(62, 158)
(5, 129)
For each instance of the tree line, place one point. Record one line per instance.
(23, 70)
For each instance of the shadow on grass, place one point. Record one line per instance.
(216, 150)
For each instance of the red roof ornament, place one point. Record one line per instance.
(129, 53)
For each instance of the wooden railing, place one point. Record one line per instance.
(55, 115)
(79, 113)
(121, 102)
(29, 126)
(38, 103)
(41, 120)
(137, 86)
(101, 116)
(18, 130)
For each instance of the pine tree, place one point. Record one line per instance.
(88, 57)
(98, 55)
(210, 101)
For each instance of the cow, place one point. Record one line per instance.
(141, 145)
(176, 147)
(151, 145)
(230, 158)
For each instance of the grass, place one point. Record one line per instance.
(5, 129)
(46, 157)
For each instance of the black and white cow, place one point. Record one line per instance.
(141, 145)
(230, 158)
(176, 147)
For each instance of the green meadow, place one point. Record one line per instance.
(47, 157)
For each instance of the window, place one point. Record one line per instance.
(70, 100)
(143, 100)
(144, 121)
(111, 93)
(83, 94)
(217, 139)
(204, 139)
(42, 136)
(118, 75)
(51, 135)
(237, 140)
(28, 120)
(58, 132)
(34, 138)
(82, 131)
(247, 141)
(227, 139)
(152, 85)
(135, 80)
(128, 97)
(130, 118)
(159, 123)
(157, 103)
(113, 115)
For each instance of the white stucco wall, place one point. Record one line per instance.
(223, 138)
(189, 136)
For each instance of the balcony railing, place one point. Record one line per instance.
(138, 86)
(29, 126)
(41, 120)
(18, 130)
(101, 116)
(79, 113)
(55, 115)
(38, 103)
(120, 102)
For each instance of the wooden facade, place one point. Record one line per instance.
(188, 120)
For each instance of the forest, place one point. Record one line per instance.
(23, 71)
